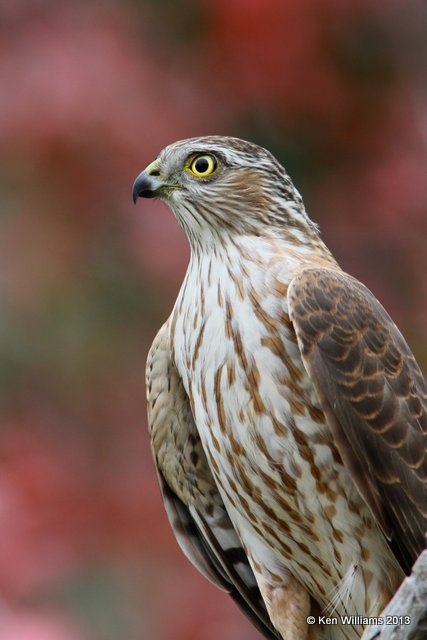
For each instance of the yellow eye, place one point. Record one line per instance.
(203, 166)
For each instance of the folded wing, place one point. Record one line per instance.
(374, 396)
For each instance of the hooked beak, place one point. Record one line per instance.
(148, 183)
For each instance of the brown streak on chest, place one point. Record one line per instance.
(237, 339)
(287, 480)
(204, 398)
(254, 382)
(231, 373)
(198, 344)
(219, 400)
(279, 428)
(210, 273)
(280, 288)
(220, 299)
(325, 438)
(235, 445)
(307, 455)
(238, 283)
(316, 413)
(202, 302)
(252, 374)
(337, 556)
(270, 322)
(274, 340)
(254, 493)
(338, 535)
(215, 467)
(297, 407)
(243, 477)
(228, 319)
(215, 442)
(190, 396)
(287, 551)
(273, 343)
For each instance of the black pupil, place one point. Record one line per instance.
(202, 165)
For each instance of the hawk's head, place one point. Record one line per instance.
(218, 185)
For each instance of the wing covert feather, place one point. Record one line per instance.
(374, 396)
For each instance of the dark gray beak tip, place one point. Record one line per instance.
(135, 194)
(144, 187)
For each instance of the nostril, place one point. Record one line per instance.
(155, 173)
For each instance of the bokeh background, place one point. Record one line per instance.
(90, 92)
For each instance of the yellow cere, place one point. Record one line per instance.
(153, 169)
(202, 166)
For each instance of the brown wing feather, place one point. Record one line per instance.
(374, 396)
(192, 501)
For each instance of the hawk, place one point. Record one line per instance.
(287, 414)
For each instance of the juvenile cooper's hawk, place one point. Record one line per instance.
(288, 417)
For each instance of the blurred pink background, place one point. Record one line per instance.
(90, 92)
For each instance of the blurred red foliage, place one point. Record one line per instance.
(91, 92)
